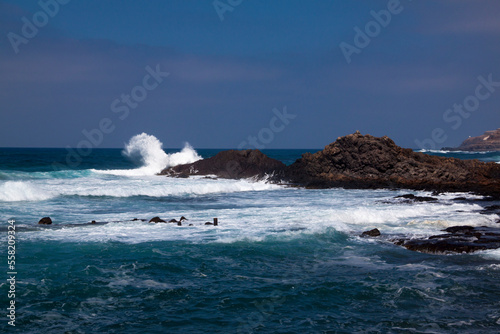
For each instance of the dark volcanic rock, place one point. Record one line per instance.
(458, 239)
(157, 220)
(357, 161)
(371, 233)
(45, 221)
(414, 198)
(230, 164)
(489, 141)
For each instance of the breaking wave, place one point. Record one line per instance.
(14, 191)
(147, 151)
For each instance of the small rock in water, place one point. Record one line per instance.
(371, 233)
(215, 223)
(157, 220)
(45, 221)
(414, 198)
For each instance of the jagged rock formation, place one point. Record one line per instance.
(489, 141)
(458, 239)
(357, 161)
(230, 164)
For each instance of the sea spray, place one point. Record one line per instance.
(186, 156)
(146, 150)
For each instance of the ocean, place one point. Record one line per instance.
(281, 260)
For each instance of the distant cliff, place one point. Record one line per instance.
(489, 141)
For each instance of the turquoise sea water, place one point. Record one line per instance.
(282, 260)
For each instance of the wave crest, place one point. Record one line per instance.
(147, 151)
(14, 191)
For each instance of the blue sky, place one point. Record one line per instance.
(226, 76)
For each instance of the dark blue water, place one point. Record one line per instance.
(282, 261)
(50, 159)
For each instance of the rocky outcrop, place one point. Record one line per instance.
(371, 233)
(45, 221)
(489, 141)
(364, 161)
(157, 220)
(458, 239)
(355, 161)
(230, 164)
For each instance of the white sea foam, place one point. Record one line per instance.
(445, 151)
(62, 174)
(256, 216)
(147, 151)
(433, 151)
(492, 254)
(14, 191)
(158, 186)
(119, 186)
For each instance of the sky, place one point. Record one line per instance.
(247, 73)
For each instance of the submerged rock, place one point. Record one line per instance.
(413, 198)
(45, 221)
(371, 233)
(458, 239)
(230, 164)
